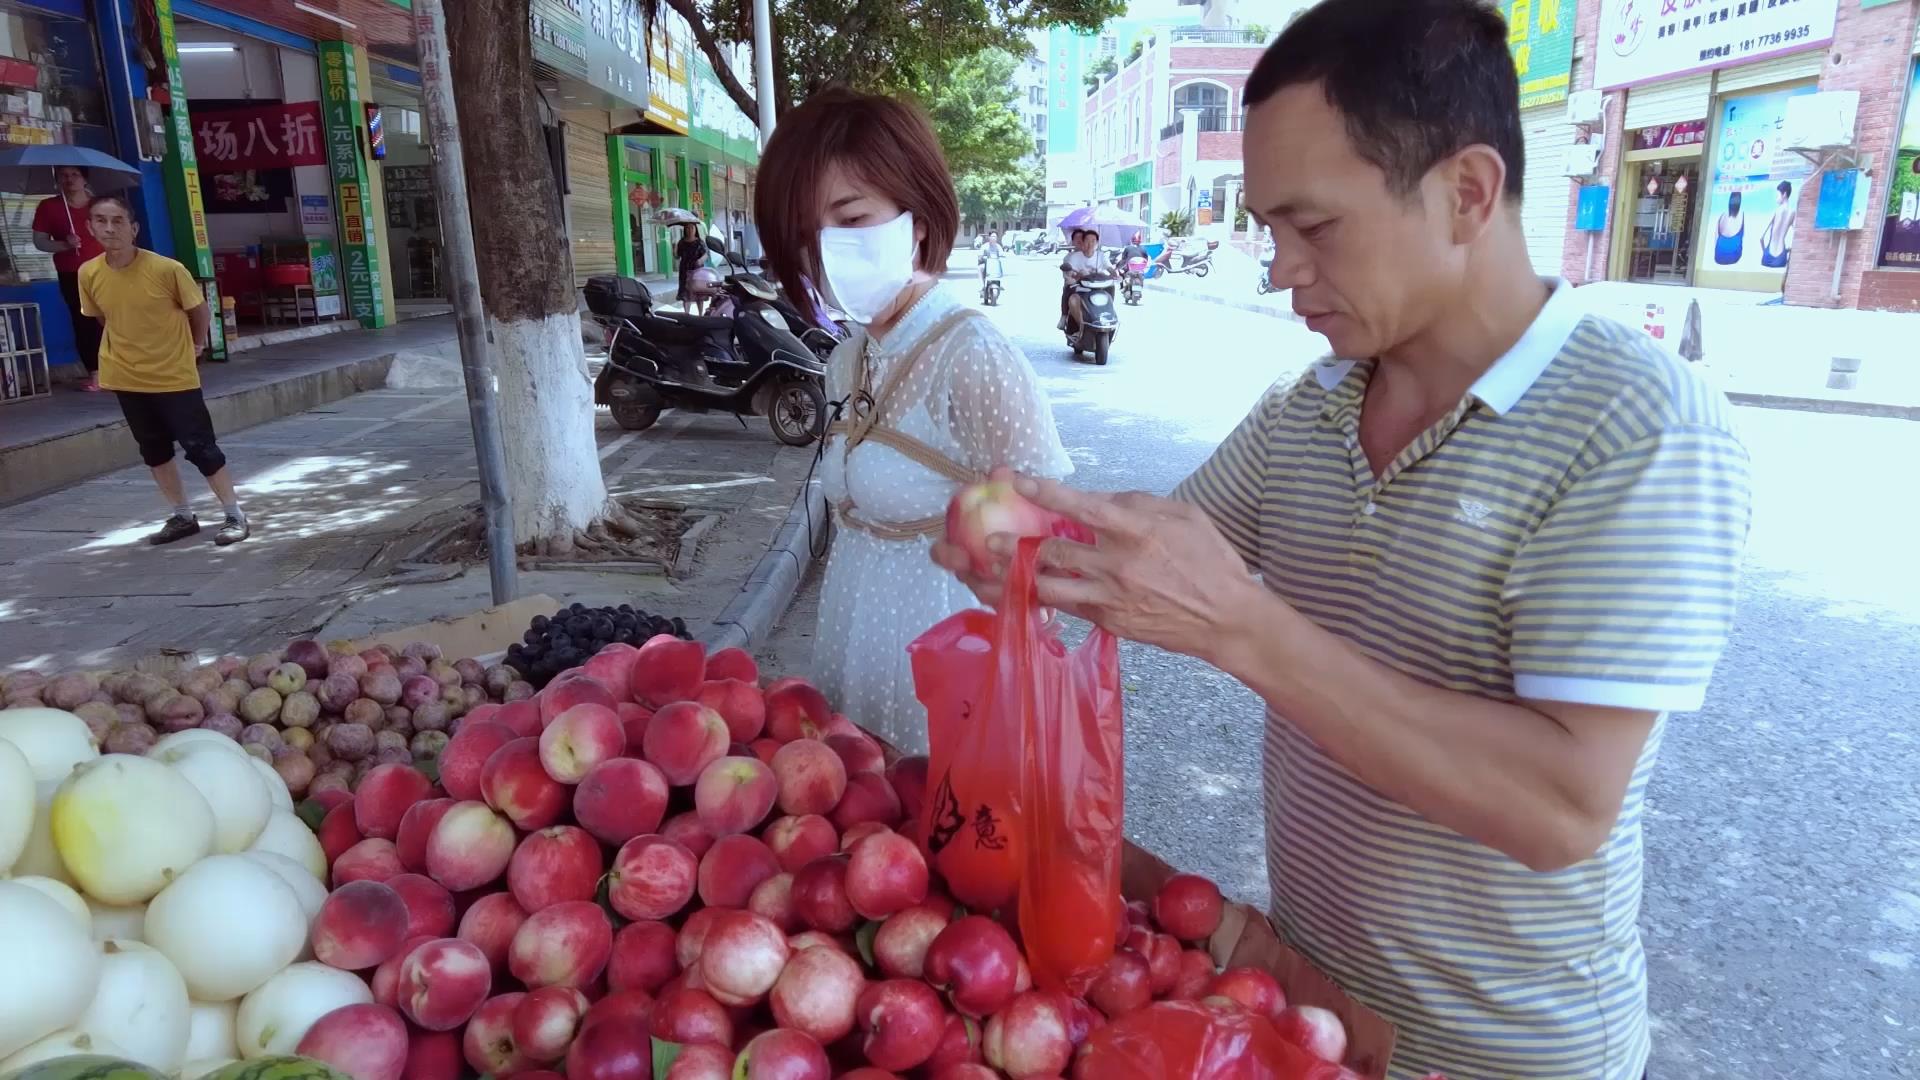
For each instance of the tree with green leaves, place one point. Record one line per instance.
(1002, 196)
(874, 45)
(971, 103)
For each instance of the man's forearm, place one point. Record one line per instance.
(201, 320)
(1501, 773)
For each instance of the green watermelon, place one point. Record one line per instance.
(86, 1067)
(274, 1068)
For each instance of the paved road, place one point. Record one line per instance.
(1782, 913)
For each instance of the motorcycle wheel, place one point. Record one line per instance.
(1264, 286)
(1100, 345)
(632, 416)
(797, 412)
(1201, 270)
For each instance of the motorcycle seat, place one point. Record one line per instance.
(704, 323)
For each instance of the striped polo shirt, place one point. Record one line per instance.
(1571, 531)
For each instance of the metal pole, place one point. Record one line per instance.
(456, 231)
(763, 65)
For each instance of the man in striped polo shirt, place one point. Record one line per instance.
(1497, 541)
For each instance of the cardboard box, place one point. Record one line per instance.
(478, 634)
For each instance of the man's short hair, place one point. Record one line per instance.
(116, 200)
(1416, 80)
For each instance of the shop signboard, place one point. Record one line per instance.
(1900, 233)
(347, 166)
(273, 136)
(1133, 180)
(190, 243)
(1645, 40)
(669, 90)
(710, 106)
(1064, 90)
(1671, 136)
(598, 42)
(1757, 184)
(1540, 36)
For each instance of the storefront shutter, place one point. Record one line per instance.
(1543, 202)
(1798, 67)
(1669, 102)
(590, 203)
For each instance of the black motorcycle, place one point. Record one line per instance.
(1092, 334)
(821, 339)
(748, 362)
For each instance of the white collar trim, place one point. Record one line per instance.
(1502, 385)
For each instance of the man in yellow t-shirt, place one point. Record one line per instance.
(156, 322)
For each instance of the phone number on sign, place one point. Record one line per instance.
(1782, 37)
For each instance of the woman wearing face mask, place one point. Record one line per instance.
(855, 194)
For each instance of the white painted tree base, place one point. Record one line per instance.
(546, 425)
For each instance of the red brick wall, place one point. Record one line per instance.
(1871, 52)
(1219, 146)
(1890, 290)
(1573, 251)
(1166, 167)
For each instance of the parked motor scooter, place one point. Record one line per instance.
(992, 272)
(1092, 318)
(1198, 263)
(1133, 279)
(1266, 276)
(747, 362)
(821, 333)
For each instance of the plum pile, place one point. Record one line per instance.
(571, 636)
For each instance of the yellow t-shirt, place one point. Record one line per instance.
(148, 344)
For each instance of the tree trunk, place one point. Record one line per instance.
(526, 279)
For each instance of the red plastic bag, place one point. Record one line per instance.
(1026, 775)
(1177, 1040)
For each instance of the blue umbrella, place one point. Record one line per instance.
(28, 170)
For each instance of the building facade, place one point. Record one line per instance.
(284, 156)
(1698, 177)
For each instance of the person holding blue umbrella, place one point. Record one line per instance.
(60, 229)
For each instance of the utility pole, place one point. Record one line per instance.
(456, 230)
(763, 65)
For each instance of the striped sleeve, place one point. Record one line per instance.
(1227, 487)
(1624, 594)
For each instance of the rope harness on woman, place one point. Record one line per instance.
(868, 409)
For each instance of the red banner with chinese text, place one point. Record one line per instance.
(276, 136)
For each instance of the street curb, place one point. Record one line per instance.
(1826, 405)
(1762, 401)
(37, 468)
(769, 590)
(1253, 306)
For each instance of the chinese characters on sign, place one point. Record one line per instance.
(669, 90)
(273, 136)
(342, 112)
(1667, 136)
(1540, 35)
(601, 42)
(1644, 40)
(192, 246)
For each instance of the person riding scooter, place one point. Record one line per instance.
(1081, 263)
(1131, 265)
(992, 268)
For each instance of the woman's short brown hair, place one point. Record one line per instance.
(884, 142)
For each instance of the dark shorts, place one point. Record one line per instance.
(158, 421)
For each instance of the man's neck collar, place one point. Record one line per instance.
(122, 260)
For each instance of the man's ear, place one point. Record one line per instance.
(1475, 181)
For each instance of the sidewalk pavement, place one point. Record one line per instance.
(342, 495)
(1760, 352)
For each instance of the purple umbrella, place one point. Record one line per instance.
(1114, 225)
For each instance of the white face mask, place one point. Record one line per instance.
(866, 268)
